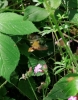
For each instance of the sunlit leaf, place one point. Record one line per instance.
(9, 56)
(74, 19)
(64, 88)
(35, 14)
(55, 3)
(12, 23)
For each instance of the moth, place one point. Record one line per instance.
(37, 46)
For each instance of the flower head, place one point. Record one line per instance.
(38, 68)
(73, 98)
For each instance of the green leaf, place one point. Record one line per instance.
(32, 62)
(74, 19)
(12, 23)
(26, 89)
(3, 91)
(24, 49)
(3, 3)
(55, 3)
(64, 88)
(73, 11)
(59, 71)
(9, 56)
(7, 98)
(35, 14)
(72, 4)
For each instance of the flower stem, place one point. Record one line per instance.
(3, 84)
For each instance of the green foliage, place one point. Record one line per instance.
(73, 13)
(15, 24)
(64, 88)
(75, 19)
(3, 92)
(64, 64)
(38, 25)
(27, 89)
(35, 14)
(24, 49)
(3, 3)
(9, 56)
(54, 4)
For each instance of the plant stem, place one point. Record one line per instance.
(3, 84)
(10, 10)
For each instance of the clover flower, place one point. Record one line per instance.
(38, 68)
(73, 98)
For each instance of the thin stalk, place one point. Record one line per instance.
(22, 5)
(43, 94)
(3, 84)
(7, 9)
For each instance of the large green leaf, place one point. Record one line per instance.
(9, 56)
(35, 14)
(64, 88)
(12, 23)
